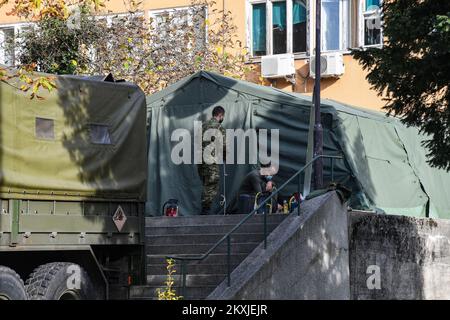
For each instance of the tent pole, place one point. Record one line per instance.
(318, 130)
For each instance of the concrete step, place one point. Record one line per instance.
(213, 258)
(138, 298)
(191, 268)
(199, 249)
(195, 239)
(149, 292)
(209, 220)
(194, 236)
(192, 280)
(208, 229)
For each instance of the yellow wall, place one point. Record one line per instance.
(351, 87)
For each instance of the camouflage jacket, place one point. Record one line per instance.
(211, 157)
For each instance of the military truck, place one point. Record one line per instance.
(72, 188)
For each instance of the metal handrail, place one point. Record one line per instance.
(227, 236)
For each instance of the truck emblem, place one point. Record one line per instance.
(119, 218)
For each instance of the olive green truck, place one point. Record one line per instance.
(73, 169)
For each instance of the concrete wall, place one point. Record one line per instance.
(306, 258)
(327, 253)
(412, 255)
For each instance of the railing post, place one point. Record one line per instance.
(183, 279)
(332, 169)
(299, 186)
(265, 228)
(229, 260)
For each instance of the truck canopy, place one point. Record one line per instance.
(84, 140)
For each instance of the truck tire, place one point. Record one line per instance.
(11, 285)
(60, 281)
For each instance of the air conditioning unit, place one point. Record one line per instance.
(277, 66)
(331, 65)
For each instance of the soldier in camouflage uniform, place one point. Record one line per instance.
(209, 171)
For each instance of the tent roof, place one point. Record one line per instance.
(267, 93)
(107, 79)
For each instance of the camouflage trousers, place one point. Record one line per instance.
(210, 175)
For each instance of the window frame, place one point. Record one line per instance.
(109, 17)
(269, 27)
(249, 13)
(362, 13)
(153, 13)
(351, 33)
(344, 34)
(17, 30)
(345, 28)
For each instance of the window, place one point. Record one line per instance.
(7, 54)
(99, 134)
(180, 19)
(334, 28)
(10, 36)
(259, 29)
(44, 129)
(288, 26)
(372, 22)
(113, 22)
(279, 32)
(299, 25)
(285, 26)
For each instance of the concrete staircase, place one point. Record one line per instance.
(194, 236)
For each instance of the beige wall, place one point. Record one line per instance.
(351, 88)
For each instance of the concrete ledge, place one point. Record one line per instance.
(306, 258)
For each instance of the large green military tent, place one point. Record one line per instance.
(384, 161)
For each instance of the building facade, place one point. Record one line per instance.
(274, 27)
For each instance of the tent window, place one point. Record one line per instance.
(45, 129)
(99, 134)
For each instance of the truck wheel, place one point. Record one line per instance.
(60, 281)
(11, 285)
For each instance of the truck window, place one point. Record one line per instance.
(45, 129)
(99, 134)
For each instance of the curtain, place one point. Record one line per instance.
(279, 15)
(299, 11)
(259, 27)
(370, 3)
